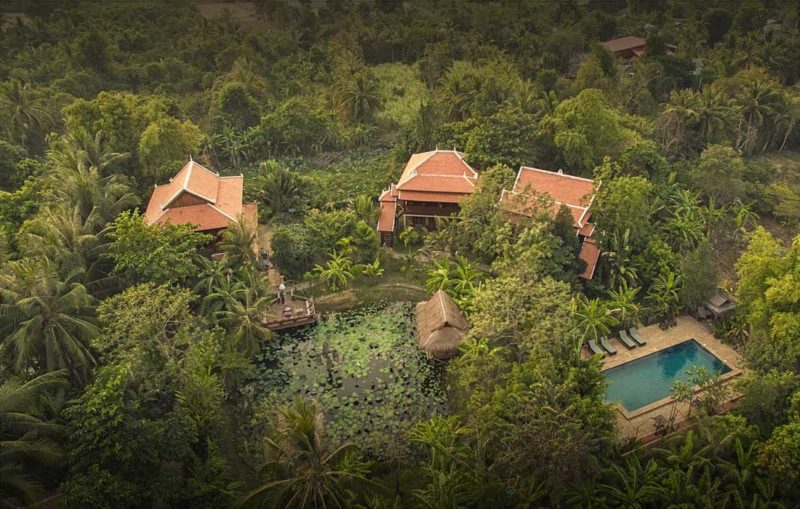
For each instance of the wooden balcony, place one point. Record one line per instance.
(296, 311)
(429, 209)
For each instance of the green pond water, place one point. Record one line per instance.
(365, 370)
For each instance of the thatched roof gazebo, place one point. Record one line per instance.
(440, 326)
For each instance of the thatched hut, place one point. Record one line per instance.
(440, 326)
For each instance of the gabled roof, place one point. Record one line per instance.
(624, 43)
(437, 171)
(576, 193)
(216, 201)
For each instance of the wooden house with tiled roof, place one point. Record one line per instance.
(198, 196)
(576, 193)
(631, 46)
(432, 185)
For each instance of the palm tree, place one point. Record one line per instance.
(244, 71)
(357, 96)
(62, 236)
(242, 316)
(24, 437)
(46, 324)
(26, 113)
(459, 89)
(337, 272)
(240, 241)
(594, 318)
(365, 209)
(679, 115)
(278, 188)
(213, 275)
(757, 99)
(304, 468)
(714, 114)
(80, 150)
(623, 303)
(81, 177)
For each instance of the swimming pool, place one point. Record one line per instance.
(648, 379)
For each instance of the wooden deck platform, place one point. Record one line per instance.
(295, 312)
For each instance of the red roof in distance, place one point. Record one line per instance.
(624, 43)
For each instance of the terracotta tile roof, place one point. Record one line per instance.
(624, 43)
(431, 197)
(590, 253)
(524, 204)
(215, 201)
(204, 217)
(438, 171)
(387, 217)
(575, 192)
(389, 195)
(587, 230)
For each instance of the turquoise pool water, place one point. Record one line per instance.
(648, 379)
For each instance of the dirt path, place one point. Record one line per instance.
(265, 243)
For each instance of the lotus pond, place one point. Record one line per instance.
(364, 368)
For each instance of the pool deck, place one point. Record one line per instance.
(640, 424)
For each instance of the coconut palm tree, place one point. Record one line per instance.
(26, 112)
(623, 304)
(82, 177)
(241, 314)
(679, 116)
(594, 318)
(757, 100)
(714, 114)
(357, 97)
(64, 237)
(25, 437)
(47, 324)
(80, 150)
(337, 272)
(304, 468)
(459, 88)
(240, 241)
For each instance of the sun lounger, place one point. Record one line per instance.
(607, 346)
(593, 347)
(635, 335)
(625, 340)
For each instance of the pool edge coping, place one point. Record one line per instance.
(655, 405)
